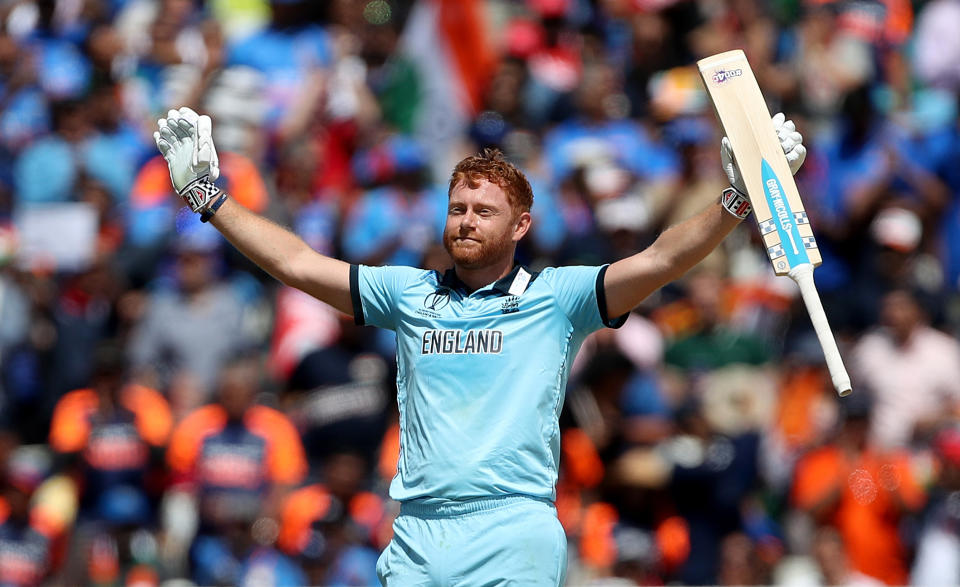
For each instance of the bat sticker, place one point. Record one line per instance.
(782, 216)
(722, 75)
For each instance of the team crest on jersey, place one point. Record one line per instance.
(510, 305)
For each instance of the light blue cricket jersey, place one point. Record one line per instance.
(480, 376)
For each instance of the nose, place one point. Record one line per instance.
(468, 220)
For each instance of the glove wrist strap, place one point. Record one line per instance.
(735, 202)
(199, 192)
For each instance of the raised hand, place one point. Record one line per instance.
(791, 142)
(185, 140)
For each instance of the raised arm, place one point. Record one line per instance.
(185, 140)
(284, 255)
(628, 281)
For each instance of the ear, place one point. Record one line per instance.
(523, 225)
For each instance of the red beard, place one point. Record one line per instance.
(474, 254)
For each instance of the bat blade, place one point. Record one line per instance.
(777, 206)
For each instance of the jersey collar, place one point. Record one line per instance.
(511, 284)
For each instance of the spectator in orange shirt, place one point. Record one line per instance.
(334, 536)
(862, 492)
(239, 459)
(114, 434)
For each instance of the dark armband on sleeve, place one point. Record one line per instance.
(602, 303)
(355, 295)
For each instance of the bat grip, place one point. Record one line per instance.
(803, 275)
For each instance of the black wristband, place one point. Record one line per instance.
(207, 214)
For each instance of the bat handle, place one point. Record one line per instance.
(803, 275)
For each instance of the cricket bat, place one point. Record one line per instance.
(776, 202)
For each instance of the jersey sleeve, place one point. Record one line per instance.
(188, 437)
(153, 418)
(580, 293)
(70, 426)
(376, 293)
(286, 458)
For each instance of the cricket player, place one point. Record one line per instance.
(483, 352)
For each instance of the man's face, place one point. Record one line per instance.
(482, 226)
(238, 389)
(195, 270)
(900, 313)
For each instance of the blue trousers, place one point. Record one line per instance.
(485, 542)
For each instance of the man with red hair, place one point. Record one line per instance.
(483, 352)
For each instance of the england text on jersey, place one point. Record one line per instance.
(461, 342)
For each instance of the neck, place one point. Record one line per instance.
(902, 338)
(476, 278)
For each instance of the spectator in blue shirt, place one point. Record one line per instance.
(601, 129)
(394, 223)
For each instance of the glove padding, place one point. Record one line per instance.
(790, 141)
(185, 140)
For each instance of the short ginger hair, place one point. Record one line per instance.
(490, 165)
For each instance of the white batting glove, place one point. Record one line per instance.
(790, 141)
(185, 140)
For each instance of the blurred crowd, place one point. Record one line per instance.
(171, 414)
